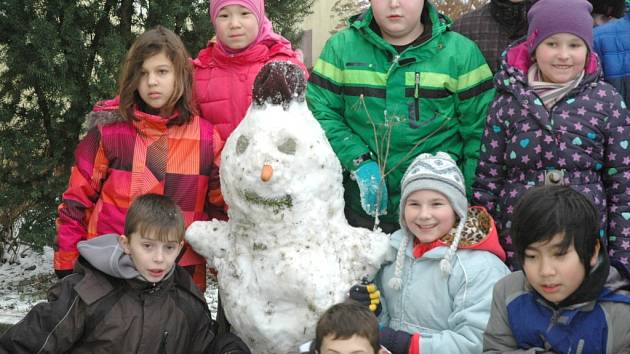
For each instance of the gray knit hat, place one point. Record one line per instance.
(439, 173)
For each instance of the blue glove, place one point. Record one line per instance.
(370, 182)
(396, 342)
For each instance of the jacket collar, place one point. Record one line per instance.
(212, 55)
(515, 64)
(441, 23)
(479, 223)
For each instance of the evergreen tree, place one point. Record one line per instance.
(456, 8)
(343, 9)
(57, 58)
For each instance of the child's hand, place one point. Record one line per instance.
(367, 294)
(371, 183)
(396, 342)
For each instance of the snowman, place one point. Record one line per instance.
(287, 252)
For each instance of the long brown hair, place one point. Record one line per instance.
(152, 42)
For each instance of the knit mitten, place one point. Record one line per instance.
(371, 184)
(368, 295)
(396, 342)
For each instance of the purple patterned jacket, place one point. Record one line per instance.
(586, 134)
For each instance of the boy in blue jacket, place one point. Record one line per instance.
(568, 298)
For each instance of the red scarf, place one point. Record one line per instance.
(419, 248)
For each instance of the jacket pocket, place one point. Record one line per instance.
(425, 106)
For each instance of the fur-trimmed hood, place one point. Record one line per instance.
(103, 113)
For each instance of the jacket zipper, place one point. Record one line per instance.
(163, 343)
(416, 96)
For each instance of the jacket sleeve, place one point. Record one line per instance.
(50, 327)
(78, 201)
(229, 343)
(491, 169)
(215, 206)
(325, 99)
(383, 317)
(475, 91)
(616, 176)
(470, 288)
(283, 52)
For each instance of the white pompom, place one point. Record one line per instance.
(395, 283)
(445, 267)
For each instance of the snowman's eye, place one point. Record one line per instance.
(241, 144)
(287, 146)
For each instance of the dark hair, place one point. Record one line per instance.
(545, 211)
(155, 216)
(345, 320)
(152, 42)
(610, 8)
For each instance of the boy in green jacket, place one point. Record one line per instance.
(396, 83)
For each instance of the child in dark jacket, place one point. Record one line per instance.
(554, 121)
(125, 296)
(568, 298)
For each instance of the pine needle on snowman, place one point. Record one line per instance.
(287, 252)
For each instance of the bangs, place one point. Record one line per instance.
(170, 233)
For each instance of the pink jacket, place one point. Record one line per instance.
(223, 82)
(117, 161)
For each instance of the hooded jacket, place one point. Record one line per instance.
(446, 314)
(92, 311)
(224, 82)
(119, 160)
(494, 26)
(523, 322)
(431, 97)
(586, 134)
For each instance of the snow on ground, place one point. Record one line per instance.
(25, 283)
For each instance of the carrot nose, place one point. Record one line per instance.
(267, 172)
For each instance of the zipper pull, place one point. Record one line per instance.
(416, 92)
(394, 63)
(163, 343)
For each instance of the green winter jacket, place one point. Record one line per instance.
(370, 99)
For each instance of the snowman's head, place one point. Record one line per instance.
(277, 165)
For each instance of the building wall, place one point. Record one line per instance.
(317, 27)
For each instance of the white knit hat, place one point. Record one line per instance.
(439, 173)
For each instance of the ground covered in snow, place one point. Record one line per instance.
(25, 282)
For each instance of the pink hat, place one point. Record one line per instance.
(255, 6)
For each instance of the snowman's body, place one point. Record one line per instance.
(287, 252)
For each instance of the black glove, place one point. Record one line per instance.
(396, 342)
(63, 273)
(367, 294)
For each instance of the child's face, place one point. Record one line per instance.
(561, 57)
(157, 82)
(399, 20)
(554, 274)
(153, 258)
(352, 345)
(236, 26)
(428, 215)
